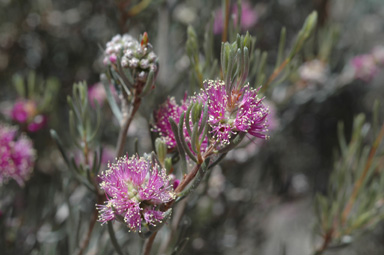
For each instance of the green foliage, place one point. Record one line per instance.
(84, 127)
(38, 89)
(353, 202)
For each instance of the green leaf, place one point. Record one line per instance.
(281, 47)
(148, 84)
(18, 82)
(114, 241)
(187, 122)
(111, 99)
(179, 145)
(161, 149)
(183, 142)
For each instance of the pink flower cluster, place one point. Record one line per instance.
(240, 111)
(26, 112)
(367, 66)
(17, 155)
(135, 189)
(248, 148)
(169, 109)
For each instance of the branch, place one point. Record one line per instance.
(126, 124)
(148, 244)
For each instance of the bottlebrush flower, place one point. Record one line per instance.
(248, 149)
(135, 189)
(169, 109)
(239, 111)
(17, 156)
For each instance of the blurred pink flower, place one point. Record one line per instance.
(97, 93)
(17, 155)
(26, 112)
(313, 71)
(37, 123)
(272, 120)
(249, 17)
(365, 67)
(108, 156)
(23, 110)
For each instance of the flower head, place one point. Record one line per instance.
(169, 109)
(135, 188)
(240, 110)
(314, 72)
(365, 67)
(17, 156)
(248, 149)
(139, 57)
(116, 46)
(26, 112)
(23, 110)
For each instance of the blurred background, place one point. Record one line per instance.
(260, 201)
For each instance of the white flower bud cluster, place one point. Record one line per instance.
(133, 55)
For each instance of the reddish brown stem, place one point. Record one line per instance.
(188, 179)
(360, 181)
(275, 74)
(90, 228)
(326, 241)
(148, 244)
(122, 6)
(226, 22)
(126, 124)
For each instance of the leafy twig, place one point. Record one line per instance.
(360, 181)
